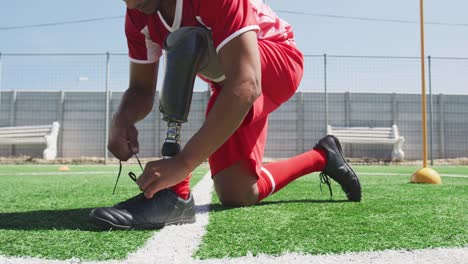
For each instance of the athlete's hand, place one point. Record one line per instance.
(123, 139)
(161, 174)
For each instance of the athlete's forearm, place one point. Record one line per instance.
(227, 114)
(136, 104)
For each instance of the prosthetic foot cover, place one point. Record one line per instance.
(189, 51)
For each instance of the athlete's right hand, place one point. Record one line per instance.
(123, 139)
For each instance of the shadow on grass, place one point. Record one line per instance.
(77, 219)
(72, 219)
(217, 207)
(301, 201)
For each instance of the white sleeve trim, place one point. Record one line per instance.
(200, 20)
(177, 17)
(235, 34)
(143, 61)
(220, 79)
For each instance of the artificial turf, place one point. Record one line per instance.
(409, 169)
(393, 214)
(46, 215)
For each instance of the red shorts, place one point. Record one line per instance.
(282, 69)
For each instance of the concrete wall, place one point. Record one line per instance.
(293, 128)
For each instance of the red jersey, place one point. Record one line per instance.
(226, 19)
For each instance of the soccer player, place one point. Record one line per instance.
(261, 68)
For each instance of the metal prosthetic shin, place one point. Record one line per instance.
(189, 51)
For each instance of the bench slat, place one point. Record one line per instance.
(48, 130)
(363, 128)
(14, 141)
(366, 140)
(366, 134)
(362, 133)
(26, 127)
(30, 134)
(363, 136)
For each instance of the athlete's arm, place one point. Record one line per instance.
(136, 104)
(240, 60)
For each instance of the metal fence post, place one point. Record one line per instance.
(106, 136)
(394, 109)
(157, 134)
(160, 124)
(13, 108)
(60, 119)
(347, 108)
(1, 71)
(325, 90)
(300, 122)
(13, 117)
(431, 120)
(442, 126)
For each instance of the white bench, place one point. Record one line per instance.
(22, 135)
(371, 135)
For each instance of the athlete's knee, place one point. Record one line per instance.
(236, 193)
(239, 199)
(236, 185)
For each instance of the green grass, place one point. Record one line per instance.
(47, 215)
(409, 169)
(38, 168)
(393, 215)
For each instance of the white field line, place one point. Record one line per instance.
(57, 173)
(425, 256)
(405, 174)
(107, 172)
(177, 244)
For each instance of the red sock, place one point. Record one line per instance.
(276, 175)
(182, 189)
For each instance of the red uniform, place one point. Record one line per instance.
(281, 62)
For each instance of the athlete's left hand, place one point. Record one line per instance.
(161, 174)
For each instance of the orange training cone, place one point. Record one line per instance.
(64, 168)
(426, 175)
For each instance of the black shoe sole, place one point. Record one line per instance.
(105, 224)
(340, 150)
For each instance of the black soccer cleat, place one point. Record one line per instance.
(338, 169)
(165, 208)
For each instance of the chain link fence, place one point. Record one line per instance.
(82, 91)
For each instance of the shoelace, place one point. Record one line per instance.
(325, 179)
(130, 174)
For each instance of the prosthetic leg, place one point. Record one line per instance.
(188, 51)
